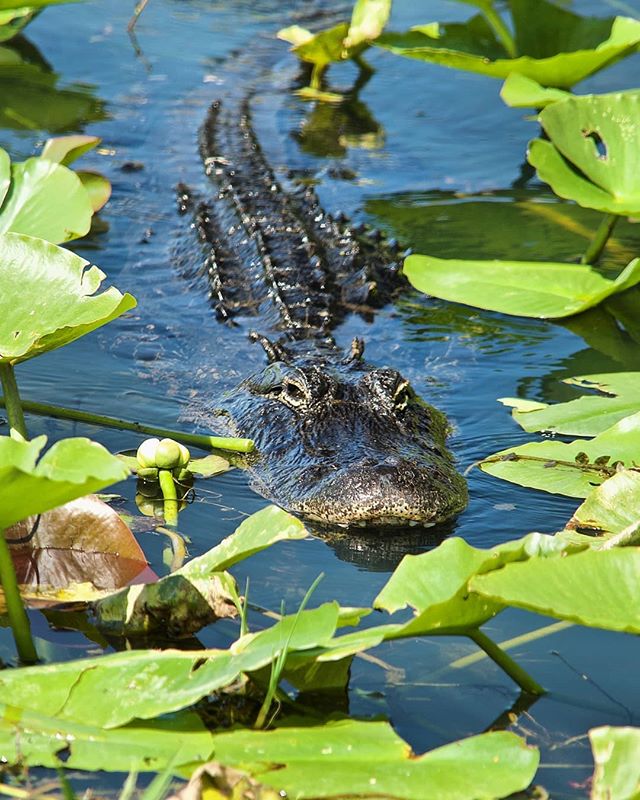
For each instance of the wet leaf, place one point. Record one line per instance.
(44, 739)
(13, 20)
(587, 415)
(367, 21)
(368, 759)
(83, 541)
(616, 752)
(598, 588)
(621, 442)
(547, 290)
(593, 152)
(146, 683)
(50, 297)
(518, 91)
(611, 507)
(46, 200)
(70, 469)
(554, 46)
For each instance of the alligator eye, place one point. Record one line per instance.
(293, 393)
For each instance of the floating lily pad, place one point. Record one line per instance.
(593, 154)
(71, 468)
(348, 758)
(547, 290)
(570, 468)
(552, 46)
(587, 415)
(49, 296)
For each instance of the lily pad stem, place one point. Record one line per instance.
(18, 618)
(506, 663)
(500, 29)
(599, 241)
(195, 439)
(168, 486)
(12, 399)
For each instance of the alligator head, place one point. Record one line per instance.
(344, 443)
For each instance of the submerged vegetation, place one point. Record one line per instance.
(240, 721)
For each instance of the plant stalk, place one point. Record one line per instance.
(599, 241)
(506, 663)
(195, 439)
(18, 618)
(168, 486)
(11, 399)
(500, 29)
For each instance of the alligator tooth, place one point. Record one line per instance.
(428, 524)
(413, 523)
(362, 523)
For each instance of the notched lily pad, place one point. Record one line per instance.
(50, 297)
(593, 156)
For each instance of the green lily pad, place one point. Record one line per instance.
(611, 507)
(616, 753)
(553, 46)
(598, 588)
(45, 739)
(587, 415)
(46, 200)
(66, 149)
(69, 469)
(518, 91)
(348, 758)
(49, 297)
(547, 290)
(594, 151)
(569, 468)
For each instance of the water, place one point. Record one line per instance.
(433, 156)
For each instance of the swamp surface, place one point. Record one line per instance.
(435, 158)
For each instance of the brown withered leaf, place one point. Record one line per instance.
(83, 541)
(214, 781)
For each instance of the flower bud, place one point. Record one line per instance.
(146, 454)
(185, 455)
(168, 455)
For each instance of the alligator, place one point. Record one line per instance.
(338, 441)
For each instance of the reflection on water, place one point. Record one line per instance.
(32, 100)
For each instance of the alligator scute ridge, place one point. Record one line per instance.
(338, 441)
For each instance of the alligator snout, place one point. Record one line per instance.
(344, 444)
(393, 493)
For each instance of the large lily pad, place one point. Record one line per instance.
(593, 154)
(570, 468)
(553, 46)
(69, 469)
(598, 588)
(547, 290)
(348, 758)
(49, 297)
(587, 415)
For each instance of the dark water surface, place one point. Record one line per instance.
(434, 157)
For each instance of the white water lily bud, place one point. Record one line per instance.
(146, 454)
(185, 455)
(168, 455)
